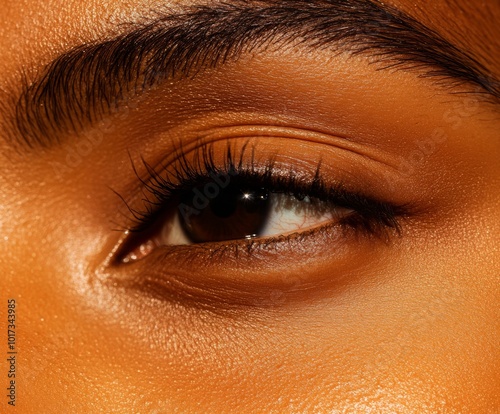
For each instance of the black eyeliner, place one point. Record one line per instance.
(166, 185)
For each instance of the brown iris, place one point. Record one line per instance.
(220, 214)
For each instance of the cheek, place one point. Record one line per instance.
(383, 346)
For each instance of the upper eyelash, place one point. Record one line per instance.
(164, 184)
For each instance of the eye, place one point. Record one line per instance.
(201, 200)
(223, 211)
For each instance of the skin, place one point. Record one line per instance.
(333, 323)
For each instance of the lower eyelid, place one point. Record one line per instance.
(172, 235)
(244, 272)
(284, 221)
(247, 252)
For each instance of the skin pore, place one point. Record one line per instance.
(388, 316)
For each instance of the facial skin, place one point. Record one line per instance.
(327, 320)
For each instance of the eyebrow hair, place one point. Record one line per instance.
(92, 80)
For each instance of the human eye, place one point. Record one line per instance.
(227, 198)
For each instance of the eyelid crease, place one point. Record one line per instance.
(344, 142)
(88, 82)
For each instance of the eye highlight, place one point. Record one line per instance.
(199, 199)
(229, 213)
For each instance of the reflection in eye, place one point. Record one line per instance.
(200, 200)
(235, 213)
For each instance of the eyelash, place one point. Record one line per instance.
(164, 185)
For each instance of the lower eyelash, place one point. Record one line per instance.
(168, 183)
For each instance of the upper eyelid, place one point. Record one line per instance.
(164, 183)
(41, 117)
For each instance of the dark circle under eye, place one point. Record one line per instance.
(220, 214)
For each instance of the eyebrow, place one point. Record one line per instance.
(83, 85)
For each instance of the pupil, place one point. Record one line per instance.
(225, 205)
(236, 212)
